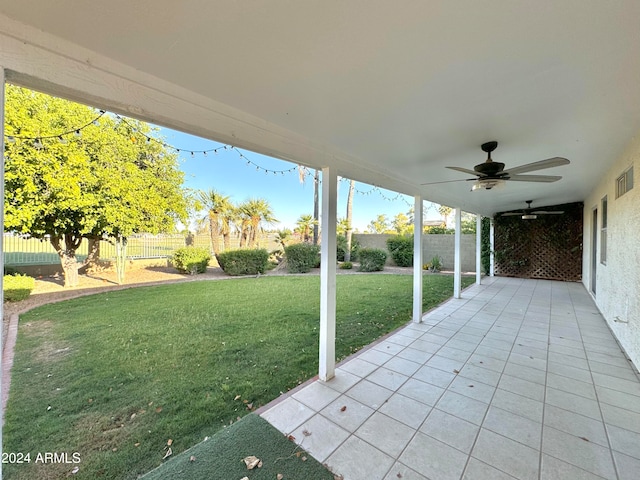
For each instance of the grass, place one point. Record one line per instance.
(115, 376)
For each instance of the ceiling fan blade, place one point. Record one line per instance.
(543, 212)
(512, 214)
(535, 178)
(451, 181)
(530, 167)
(466, 170)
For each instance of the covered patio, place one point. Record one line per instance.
(517, 379)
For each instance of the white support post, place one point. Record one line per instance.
(478, 249)
(492, 247)
(457, 269)
(328, 242)
(2, 366)
(417, 259)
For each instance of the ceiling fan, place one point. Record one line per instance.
(490, 174)
(530, 213)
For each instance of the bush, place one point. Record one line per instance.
(191, 260)
(301, 257)
(342, 248)
(244, 261)
(346, 265)
(17, 287)
(436, 264)
(401, 249)
(372, 259)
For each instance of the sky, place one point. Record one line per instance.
(252, 177)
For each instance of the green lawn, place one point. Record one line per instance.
(114, 376)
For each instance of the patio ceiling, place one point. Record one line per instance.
(387, 92)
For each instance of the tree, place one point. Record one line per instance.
(218, 209)
(282, 237)
(305, 226)
(401, 224)
(104, 182)
(445, 212)
(254, 212)
(379, 225)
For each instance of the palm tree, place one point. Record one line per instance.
(282, 237)
(305, 226)
(254, 212)
(217, 206)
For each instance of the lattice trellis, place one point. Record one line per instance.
(549, 247)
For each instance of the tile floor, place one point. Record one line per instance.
(518, 379)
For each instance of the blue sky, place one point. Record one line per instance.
(230, 174)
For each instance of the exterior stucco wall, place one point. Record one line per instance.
(432, 245)
(618, 281)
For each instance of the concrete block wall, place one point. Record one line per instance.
(432, 245)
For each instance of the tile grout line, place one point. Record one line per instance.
(417, 430)
(546, 378)
(475, 440)
(604, 424)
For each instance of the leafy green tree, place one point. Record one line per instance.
(379, 225)
(105, 182)
(401, 224)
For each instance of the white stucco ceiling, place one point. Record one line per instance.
(395, 91)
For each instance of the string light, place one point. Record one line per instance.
(37, 143)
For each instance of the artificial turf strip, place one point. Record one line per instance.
(221, 456)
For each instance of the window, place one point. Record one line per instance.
(624, 183)
(603, 232)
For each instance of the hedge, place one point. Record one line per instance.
(191, 260)
(17, 287)
(401, 249)
(372, 259)
(244, 261)
(301, 257)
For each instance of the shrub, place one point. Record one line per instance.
(342, 248)
(401, 249)
(372, 259)
(244, 261)
(346, 265)
(301, 257)
(17, 287)
(436, 264)
(191, 260)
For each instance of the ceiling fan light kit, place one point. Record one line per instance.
(530, 213)
(490, 174)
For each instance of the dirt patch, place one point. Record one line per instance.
(48, 351)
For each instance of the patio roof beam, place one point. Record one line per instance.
(328, 246)
(417, 259)
(457, 270)
(478, 248)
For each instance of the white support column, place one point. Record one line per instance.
(417, 259)
(491, 246)
(328, 244)
(457, 269)
(2, 88)
(478, 248)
